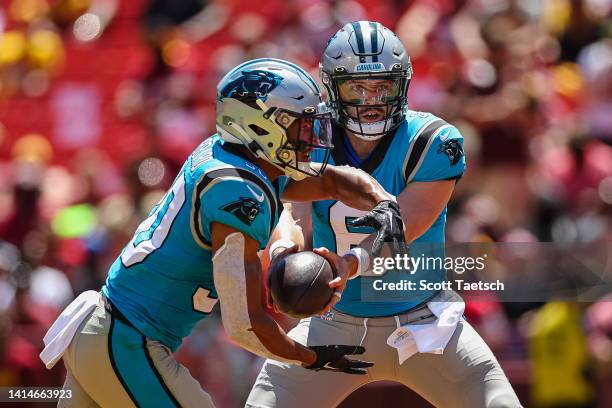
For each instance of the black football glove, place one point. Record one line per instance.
(387, 220)
(333, 358)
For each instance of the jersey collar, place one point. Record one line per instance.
(351, 154)
(344, 154)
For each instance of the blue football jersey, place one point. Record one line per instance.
(163, 280)
(423, 148)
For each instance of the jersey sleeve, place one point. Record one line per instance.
(240, 204)
(445, 158)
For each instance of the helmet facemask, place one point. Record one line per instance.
(304, 133)
(369, 104)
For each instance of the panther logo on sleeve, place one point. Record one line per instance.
(245, 208)
(453, 150)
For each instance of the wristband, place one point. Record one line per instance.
(363, 260)
(281, 243)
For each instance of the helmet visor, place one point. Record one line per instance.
(370, 91)
(306, 131)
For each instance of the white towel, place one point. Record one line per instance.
(410, 339)
(62, 331)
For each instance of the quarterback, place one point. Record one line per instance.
(418, 338)
(199, 247)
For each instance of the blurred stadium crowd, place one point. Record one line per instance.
(102, 100)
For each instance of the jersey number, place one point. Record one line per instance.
(347, 236)
(152, 232)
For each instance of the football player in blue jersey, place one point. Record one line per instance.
(418, 337)
(200, 244)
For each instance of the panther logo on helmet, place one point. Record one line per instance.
(253, 83)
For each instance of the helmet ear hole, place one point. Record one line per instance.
(258, 130)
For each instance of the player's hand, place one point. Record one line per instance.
(340, 266)
(278, 255)
(387, 220)
(333, 358)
